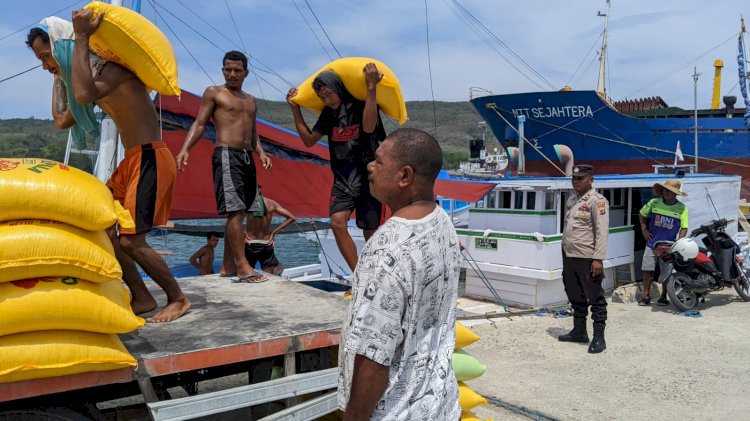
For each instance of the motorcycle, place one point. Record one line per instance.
(689, 271)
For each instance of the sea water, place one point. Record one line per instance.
(292, 249)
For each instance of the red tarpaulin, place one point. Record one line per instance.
(300, 179)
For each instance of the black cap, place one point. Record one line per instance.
(581, 170)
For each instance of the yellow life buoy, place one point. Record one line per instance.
(349, 69)
(33, 188)
(50, 353)
(132, 41)
(65, 304)
(38, 248)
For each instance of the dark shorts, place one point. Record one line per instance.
(367, 209)
(262, 253)
(234, 179)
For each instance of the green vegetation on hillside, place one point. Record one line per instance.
(456, 124)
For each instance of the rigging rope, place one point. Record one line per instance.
(486, 39)
(19, 74)
(153, 4)
(596, 41)
(231, 15)
(32, 24)
(501, 43)
(323, 29)
(429, 67)
(312, 30)
(680, 68)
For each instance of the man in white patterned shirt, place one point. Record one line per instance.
(396, 345)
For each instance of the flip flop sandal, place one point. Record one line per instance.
(253, 278)
(662, 302)
(644, 302)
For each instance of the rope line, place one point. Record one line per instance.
(521, 410)
(32, 24)
(312, 30)
(236, 29)
(153, 3)
(20, 73)
(429, 67)
(322, 28)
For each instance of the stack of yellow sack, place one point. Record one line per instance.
(466, 368)
(61, 298)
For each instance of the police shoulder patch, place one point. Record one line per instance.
(601, 207)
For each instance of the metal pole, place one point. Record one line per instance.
(695, 115)
(521, 141)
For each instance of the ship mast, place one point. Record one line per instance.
(600, 85)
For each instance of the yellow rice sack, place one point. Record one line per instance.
(50, 353)
(32, 188)
(465, 366)
(349, 69)
(132, 41)
(470, 416)
(464, 336)
(65, 304)
(32, 248)
(468, 398)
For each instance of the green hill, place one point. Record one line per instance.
(456, 124)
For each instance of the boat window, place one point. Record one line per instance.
(531, 200)
(491, 200)
(617, 200)
(549, 200)
(504, 200)
(518, 202)
(607, 195)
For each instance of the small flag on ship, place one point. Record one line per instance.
(678, 154)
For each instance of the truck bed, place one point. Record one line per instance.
(228, 323)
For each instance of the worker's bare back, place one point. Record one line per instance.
(234, 117)
(129, 106)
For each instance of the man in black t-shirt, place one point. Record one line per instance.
(354, 130)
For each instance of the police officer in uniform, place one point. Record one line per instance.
(584, 245)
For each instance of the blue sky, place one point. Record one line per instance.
(648, 40)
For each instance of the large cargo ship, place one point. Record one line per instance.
(619, 137)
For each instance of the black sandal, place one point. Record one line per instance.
(644, 302)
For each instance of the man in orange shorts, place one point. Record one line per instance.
(143, 182)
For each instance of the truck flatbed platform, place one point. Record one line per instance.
(228, 323)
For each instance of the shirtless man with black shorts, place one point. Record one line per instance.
(233, 112)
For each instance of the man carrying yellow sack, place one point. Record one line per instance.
(143, 181)
(354, 131)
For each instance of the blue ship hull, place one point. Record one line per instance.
(613, 141)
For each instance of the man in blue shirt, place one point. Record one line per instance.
(662, 219)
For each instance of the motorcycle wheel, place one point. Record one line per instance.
(680, 296)
(743, 284)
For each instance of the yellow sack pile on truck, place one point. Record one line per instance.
(350, 70)
(132, 41)
(64, 303)
(50, 353)
(33, 248)
(32, 188)
(61, 299)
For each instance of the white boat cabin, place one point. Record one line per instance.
(514, 233)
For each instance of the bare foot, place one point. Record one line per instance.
(143, 305)
(171, 311)
(226, 275)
